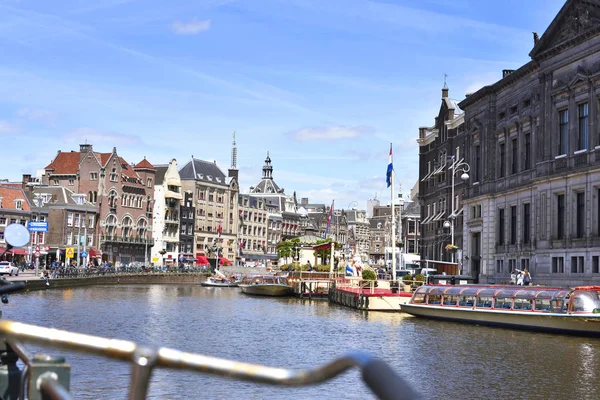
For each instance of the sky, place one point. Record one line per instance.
(324, 86)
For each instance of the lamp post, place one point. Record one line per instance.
(464, 168)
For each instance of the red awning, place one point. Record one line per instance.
(224, 261)
(201, 260)
(17, 251)
(93, 252)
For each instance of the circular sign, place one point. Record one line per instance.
(84, 254)
(16, 235)
(37, 254)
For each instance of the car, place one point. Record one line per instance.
(9, 268)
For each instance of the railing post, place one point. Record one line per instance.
(43, 366)
(10, 375)
(144, 359)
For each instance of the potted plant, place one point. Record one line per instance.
(369, 275)
(419, 279)
(407, 282)
(451, 248)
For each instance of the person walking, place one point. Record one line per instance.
(526, 277)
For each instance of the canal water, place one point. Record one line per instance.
(443, 360)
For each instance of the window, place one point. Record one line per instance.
(560, 216)
(90, 240)
(558, 266)
(55, 182)
(527, 155)
(577, 265)
(513, 224)
(580, 228)
(513, 110)
(525, 263)
(499, 266)
(93, 176)
(113, 175)
(476, 211)
(1, 236)
(514, 166)
(582, 138)
(69, 238)
(149, 182)
(91, 221)
(512, 264)
(19, 204)
(526, 222)
(71, 181)
(77, 217)
(595, 264)
(69, 219)
(502, 160)
(563, 131)
(3, 221)
(501, 228)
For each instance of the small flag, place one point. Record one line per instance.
(329, 220)
(390, 168)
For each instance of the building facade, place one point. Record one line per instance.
(166, 215)
(535, 201)
(187, 220)
(15, 208)
(253, 229)
(215, 198)
(122, 192)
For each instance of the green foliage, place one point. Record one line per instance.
(323, 268)
(407, 279)
(419, 279)
(369, 275)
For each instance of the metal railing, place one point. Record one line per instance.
(45, 377)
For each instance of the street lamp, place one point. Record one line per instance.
(462, 167)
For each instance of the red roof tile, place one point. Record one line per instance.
(65, 163)
(145, 164)
(9, 195)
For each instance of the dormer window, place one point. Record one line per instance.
(209, 177)
(19, 204)
(71, 181)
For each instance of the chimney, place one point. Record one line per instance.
(84, 148)
(25, 181)
(304, 201)
(506, 72)
(444, 92)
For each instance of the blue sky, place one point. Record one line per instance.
(323, 85)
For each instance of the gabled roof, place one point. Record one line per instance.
(144, 164)
(64, 163)
(576, 20)
(9, 195)
(267, 186)
(204, 171)
(57, 196)
(161, 170)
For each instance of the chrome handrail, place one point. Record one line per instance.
(378, 375)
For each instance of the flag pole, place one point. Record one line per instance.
(393, 230)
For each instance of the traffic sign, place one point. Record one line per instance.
(37, 226)
(37, 254)
(37, 248)
(84, 254)
(69, 252)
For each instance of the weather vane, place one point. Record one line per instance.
(445, 76)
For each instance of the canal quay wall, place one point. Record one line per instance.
(115, 279)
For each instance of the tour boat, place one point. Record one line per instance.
(265, 285)
(572, 311)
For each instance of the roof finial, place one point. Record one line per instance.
(445, 85)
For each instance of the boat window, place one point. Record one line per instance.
(466, 301)
(484, 301)
(542, 304)
(585, 301)
(422, 290)
(526, 294)
(471, 291)
(450, 299)
(522, 304)
(503, 302)
(487, 292)
(506, 293)
(455, 290)
(437, 290)
(418, 298)
(434, 299)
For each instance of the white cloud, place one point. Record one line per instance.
(8, 128)
(36, 115)
(193, 27)
(89, 135)
(330, 133)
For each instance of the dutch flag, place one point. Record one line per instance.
(390, 168)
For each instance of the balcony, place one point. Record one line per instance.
(171, 221)
(124, 239)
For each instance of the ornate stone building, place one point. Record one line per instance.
(122, 192)
(253, 228)
(535, 201)
(166, 221)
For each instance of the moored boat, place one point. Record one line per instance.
(571, 311)
(265, 285)
(219, 282)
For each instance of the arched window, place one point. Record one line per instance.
(111, 225)
(112, 198)
(141, 229)
(127, 227)
(124, 200)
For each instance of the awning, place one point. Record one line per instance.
(224, 261)
(94, 253)
(201, 260)
(16, 251)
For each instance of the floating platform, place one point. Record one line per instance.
(353, 294)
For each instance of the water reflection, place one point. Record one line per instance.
(446, 360)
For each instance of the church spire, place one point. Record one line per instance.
(268, 168)
(234, 153)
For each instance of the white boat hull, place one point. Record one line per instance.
(588, 325)
(266, 289)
